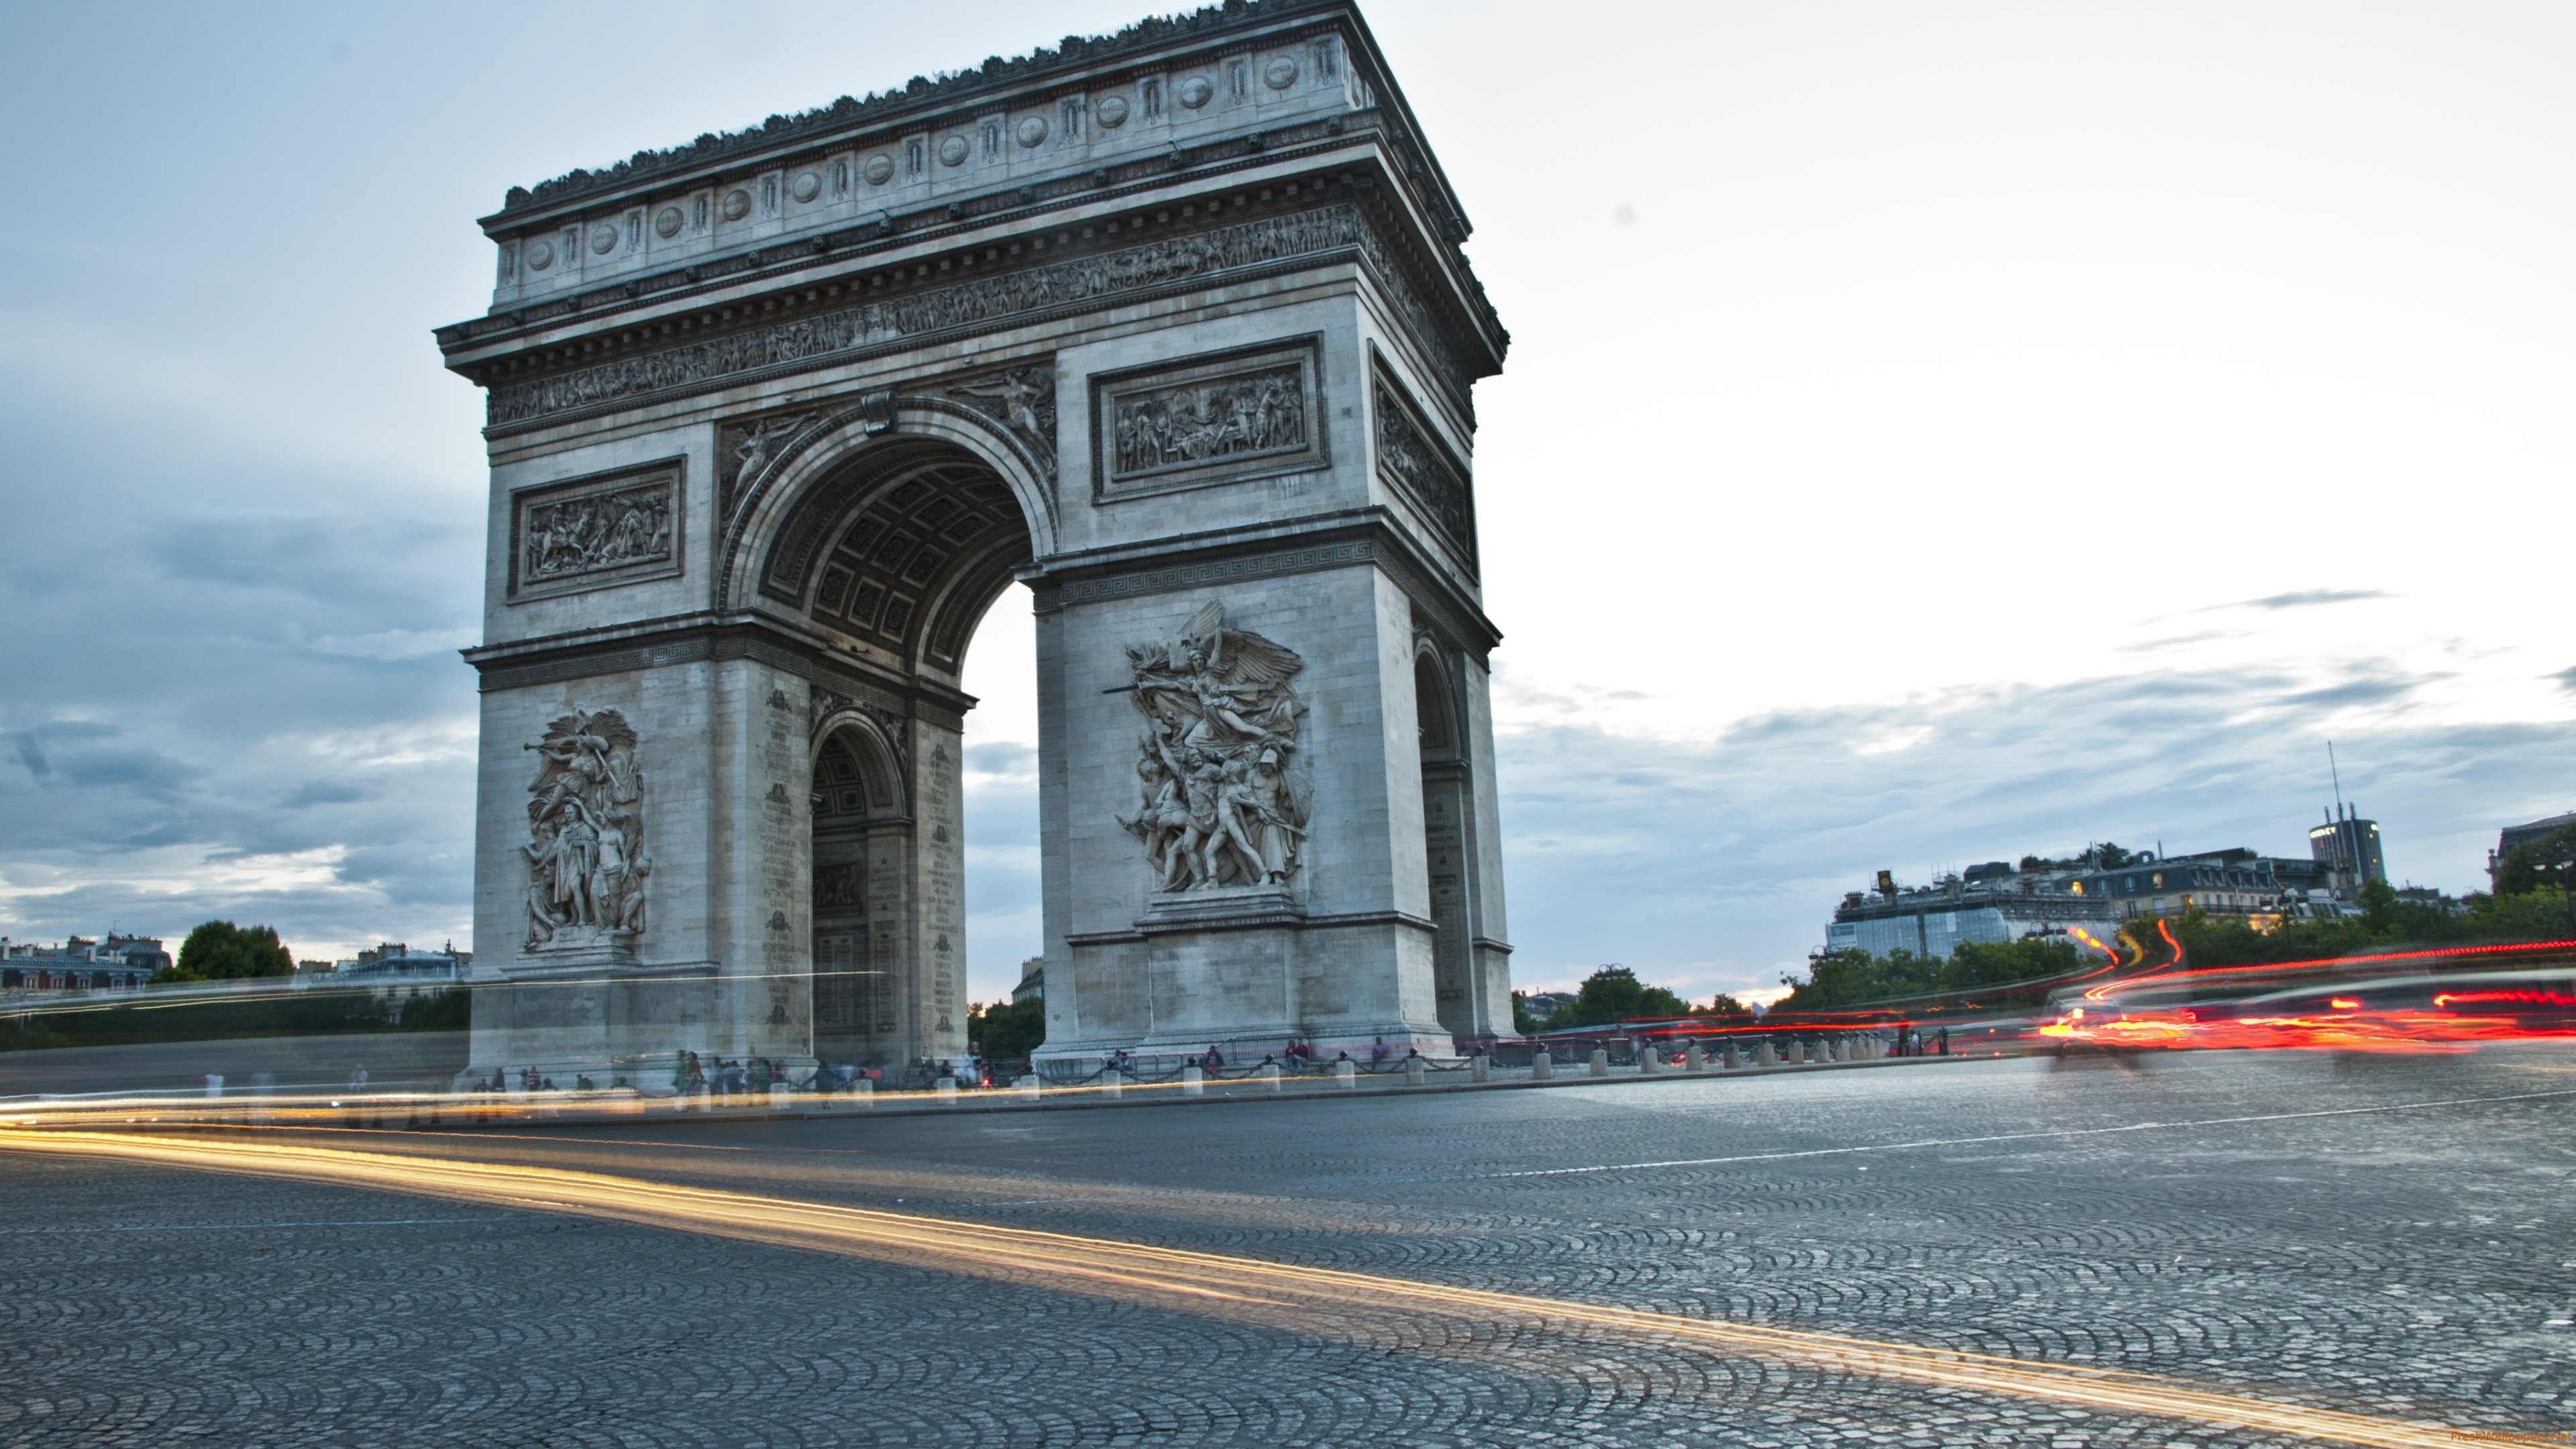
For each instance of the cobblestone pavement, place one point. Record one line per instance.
(2387, 1236)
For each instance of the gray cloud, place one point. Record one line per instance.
(1717, 865)
(2307, 598)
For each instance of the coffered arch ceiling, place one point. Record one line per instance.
(901, 550)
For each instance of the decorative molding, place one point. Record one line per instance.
(1216, 256)
(1223, 417)
(1419, 466)
(596, 531)
(520, 670)
(1214, 573)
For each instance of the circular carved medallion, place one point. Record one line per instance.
(737, 205)
(1196, 91)
(879, 170)
(1112, 112)
(603, 238)
(541, 254)
(1032, 130)
(667, 221)
(952, 152)
(1280, 74)
(806, 186)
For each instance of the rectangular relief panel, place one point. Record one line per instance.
(1225, 417)
(1417, 464)
(597, 531)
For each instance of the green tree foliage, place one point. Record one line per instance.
(2520, 873)
(222, 951)
(1522, 1021)
(1006, 1031)
(2386, 923)
(1985, 973)
(1614, 993)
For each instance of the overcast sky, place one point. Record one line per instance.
(1932, 433)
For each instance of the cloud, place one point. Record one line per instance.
(2566, 679)
(2305, 598)
(1716, 865)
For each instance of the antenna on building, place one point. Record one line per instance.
(2337, 775)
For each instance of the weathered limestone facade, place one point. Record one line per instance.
(1175, 327)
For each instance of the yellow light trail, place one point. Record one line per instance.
(1298, 1298)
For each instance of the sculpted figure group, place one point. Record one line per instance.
(1224, 802)
(1215, 420)
(585, 814)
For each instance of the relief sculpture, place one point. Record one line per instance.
(1224, 794)
(586, 866)
(1260, 412)
(595, 532)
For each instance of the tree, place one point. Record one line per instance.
(1614, 993)
(2520, 873)
(2111, 857)
(222, 951)
(1522, 1021)
(1007, 1031)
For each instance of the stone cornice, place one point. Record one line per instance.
(1037, 291)
(1217, 559)
(997, 83)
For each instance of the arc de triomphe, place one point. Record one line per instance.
(1173, 326)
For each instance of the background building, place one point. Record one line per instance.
(2348, 846)
(119, 963)
(2525, 834)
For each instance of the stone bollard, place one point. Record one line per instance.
(1346, 1075)
(1767, 1055)
(863, 1093)
(1831, 1049)
(1730, 1059)
(1270, 1077)
(1650, 1059)
(1797, 1051)
(1413, 1071)
(1480, 1068)
(945, 1089)
(214, 1084)
(1600, 1061)
(1112, 1085)
(1542, 1067)
(1032, 1086)
(780, 1097)
(1694, 1060)
(1193, 1081)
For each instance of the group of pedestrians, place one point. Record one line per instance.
(691, 1076)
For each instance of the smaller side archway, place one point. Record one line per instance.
(1448, 803)
(862, 896)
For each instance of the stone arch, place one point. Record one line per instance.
(863, 865)
(787, 514)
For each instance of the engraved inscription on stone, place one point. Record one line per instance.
(1409, 459)
(588, 533)
(586, 861)
(1243, 414)
(1224, 796)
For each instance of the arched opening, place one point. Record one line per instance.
(893, 552)
(1444, 841)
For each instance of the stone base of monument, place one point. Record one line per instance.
(1248, 969)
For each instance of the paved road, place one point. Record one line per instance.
(2295, 1226)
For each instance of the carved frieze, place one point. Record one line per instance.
(1417, 465)
(1198, 258)
(744, 448)
(588, 533)
(1248, 413)
(586, 862)
(1224, 795)
(1021, 399)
